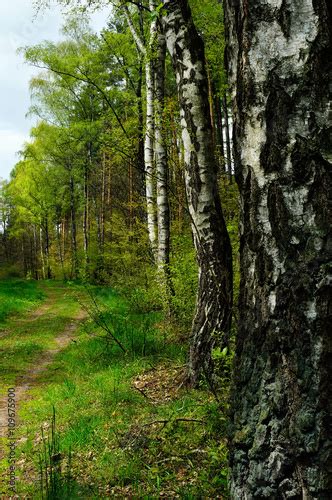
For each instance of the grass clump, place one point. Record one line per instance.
(17, 296)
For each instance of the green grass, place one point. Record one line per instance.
(17, 296)
(160, 441)
(25, 336)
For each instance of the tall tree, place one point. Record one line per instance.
(156, 164)
(149, 142)
(280, 57)
(212, 322)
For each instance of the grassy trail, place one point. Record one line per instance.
(126, 427)
(27, 326)
(29, 343)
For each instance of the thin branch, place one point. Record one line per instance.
(165, 422)
(134, 33)
(85, 80)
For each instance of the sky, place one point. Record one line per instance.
(20, 27)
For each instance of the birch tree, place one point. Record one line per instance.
(212, 322)
(280, 60)
(149, 124)
(156, 164)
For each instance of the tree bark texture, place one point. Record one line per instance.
(279, 56)
(149, 158)
(163, 209)
(212, 320)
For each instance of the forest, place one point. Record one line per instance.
(165, 256)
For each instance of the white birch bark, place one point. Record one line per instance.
(280, 55)
(212, 320)
(161, 161)
(149, 128)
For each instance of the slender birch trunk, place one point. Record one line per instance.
(220, 127)
(149, 158)
(47, 249)
(60, 252)
(87, 169)
(149, 128)
(280, 56)
(163, 210)
(212, 322)
(35, 254)
(210, 95)
(228, 140)
(23, 257)
(73, 228)
(102, 208)
(140, 149)
(41, 250)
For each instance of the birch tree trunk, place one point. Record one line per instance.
(149, 158)
(280, 57)
(34, 258)
(86, 216)
(47, 248)
(74, 257)
(149, 127)
(154, 147)
(41, 249)
(220, 134)
(228, 140)
(212, 322)
(60, 253)
(163, 212)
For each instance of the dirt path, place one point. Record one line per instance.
(30, 379)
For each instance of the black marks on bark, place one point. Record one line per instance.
(303, 158)
(281, 401)
(260, 12)
(320, 196)
(284, 18)
(192, 76)
(279, 217)
(194, 181)
(278, 108)
(264, 267)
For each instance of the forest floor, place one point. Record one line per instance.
(91, 420)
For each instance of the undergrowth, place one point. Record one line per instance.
(16, 296)
(126, 426)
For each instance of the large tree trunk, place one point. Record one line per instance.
(280, 55)
(212, 320)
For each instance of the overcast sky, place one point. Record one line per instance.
(18, 27)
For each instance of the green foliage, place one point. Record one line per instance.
(185, 279)
(209, 20)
